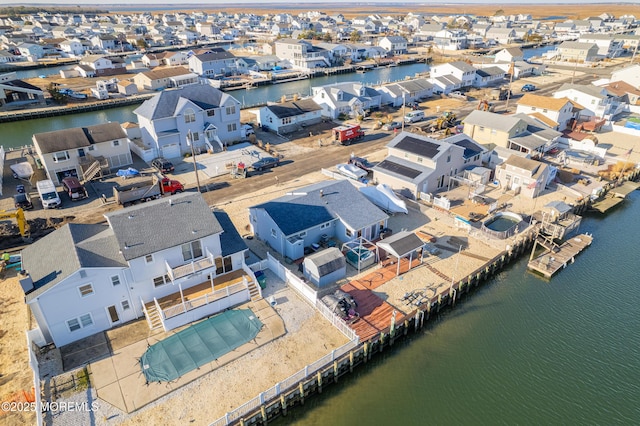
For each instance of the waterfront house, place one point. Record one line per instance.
(501, 35)
(626, 93)
(105, 42)
(106, 275)
(597, 101)
(526, 176)
(207, 116)
(459, 70)
(575, 51)
(488, 76)
(518, 132)
(329, 209)
(73, 47)
(15, 93)
(419, 164)
(301, 54)
(511, 54)
(216, 63)
(31, 51)
(289, 116)
(349, 98)
(608, 45)
(82, 152)
(404, 92)
(162, 78)
(103, 65)
(629, 74)
(557, 113)
(394, 45)
(450, 39)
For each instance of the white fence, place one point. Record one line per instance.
(442, 202)
(33, 336)
(309, 294)
(284, 385)
(2, 155)
(336, 321)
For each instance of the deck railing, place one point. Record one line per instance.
(191, 268)
(188, 305)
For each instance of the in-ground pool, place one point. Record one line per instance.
(502, 225)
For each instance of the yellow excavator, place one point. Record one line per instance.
(18, 215)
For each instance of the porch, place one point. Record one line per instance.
(201, 300)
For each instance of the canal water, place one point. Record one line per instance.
(520, 350)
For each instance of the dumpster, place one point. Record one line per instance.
(262, 279)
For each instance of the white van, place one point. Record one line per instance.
(48, 194)
(414, 116)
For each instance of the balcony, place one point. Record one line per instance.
(190, 268)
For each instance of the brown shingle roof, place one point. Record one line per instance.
(554, 104)
(546, 120)
(160, 73)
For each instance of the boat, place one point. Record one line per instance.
(22, 170)
(384, 197)
(351, 171)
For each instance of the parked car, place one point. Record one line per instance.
(392, 126)
(265, 163)
(23, 200)
(163, 165)
(528, 88)
(362, 163)
(248, 129)
(74, 188)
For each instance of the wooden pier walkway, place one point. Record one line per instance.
(555, 257)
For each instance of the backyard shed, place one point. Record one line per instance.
(325, 267)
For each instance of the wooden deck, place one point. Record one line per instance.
(550, 262)
(380, 276)
(200, 290)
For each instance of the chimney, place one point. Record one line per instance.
(321, 193)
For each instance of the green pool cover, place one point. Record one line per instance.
(199, 344)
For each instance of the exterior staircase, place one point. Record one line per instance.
(91, 172)
(254, 291)
(153, 317)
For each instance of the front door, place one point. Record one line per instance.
(113, 314)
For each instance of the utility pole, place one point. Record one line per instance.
(404, 102)
(193, 155)
(512, 69)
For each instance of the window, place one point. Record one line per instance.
(419, 159)
(286, 120)
(91, 148)
(273, 233)
(161, 280)
(195, 137)
(148, 258)
(85, 290)
(60, 156)
(189, 115)
(231, 110)
(482, 128)
(81, 152)
(231, 127)
(115, 143)
(325, 225)
(302, 234)
(348, 232)
(533, 108)
(544, 110)
(211, 112)
(115, 280)
(449, 158)
(125, 305)
(223, 265)
(192, 250)
(73, 324)
(86, 320)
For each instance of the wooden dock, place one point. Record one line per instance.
(556, 257)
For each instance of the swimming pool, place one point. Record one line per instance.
(502, 225)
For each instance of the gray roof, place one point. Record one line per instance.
(523, 163)
(164, 104)
(462, 66)
(64, 251)
(214, 56)
(560, 206)
(402, 169)
(588, 89)
(60, 140)
(471, 147)
(293, 108)
(491, 120)
(576, 45)
(308, 207)
(401, 243)
(327, 261)
(157, 225)
(230, 240)
(416, 144)
(538, 128)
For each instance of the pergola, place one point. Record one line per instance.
(401, 245)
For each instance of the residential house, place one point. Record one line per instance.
(289, 116)
(626, 93)
(105, 275)
(629, 74)
(404, 92)
(428, 31)
(575, 51)
(162, 78)
(395, 45)
(106, 42)
(127, 88)
(334, 209)
(458, 72)
(31, 51)
(501, 35)
(489, 76)
(597, 101)
(301, 54)
(103, 66)
(449, 39)
(73, 47)
(198, 114)
(349, 98)
(528, 177)
(15, 93)
(557, 113)
(564, 27)
(517, 132)
(75, 151)
(511, 54)
(608, 45)
(419, 164)
(213, 64)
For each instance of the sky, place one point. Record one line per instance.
(151, 3)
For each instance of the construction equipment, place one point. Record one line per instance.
(143, 189)
(18, 215)
(485, 105)
(500, 93)
(446, 120)
(346, 134)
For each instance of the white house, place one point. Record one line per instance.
(106, 275)
(404, 92)
(165, 77)
(395, 45)
(597, 101)
(418, 164)
(335, 209)
(511, 54)
(459, 70)
(350, 98)
(198, 114)
(289, 116)
(301, 54)
(103, 65)
(608, 45)
(556, 113)
(575, 51)
(75, 151)
(530, 176)
(629, 74)
(215, 63)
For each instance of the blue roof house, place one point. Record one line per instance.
(299, 219)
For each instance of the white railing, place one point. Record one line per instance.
(309, 294)
(336, 321)
(2, 155)
(159, 310)
(273, 392)
(276, 267)
(32, 336)
(190, 268)
(207, 298)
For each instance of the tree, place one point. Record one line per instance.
(499, 12)
(354, 36)
(55, 94)
(327, 37)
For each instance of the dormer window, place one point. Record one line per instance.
(189, 115)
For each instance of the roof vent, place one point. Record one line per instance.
(322, 193)
(193, 231)
(131, 216)
(170, 202)
(126, 246)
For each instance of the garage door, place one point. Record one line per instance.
(66, 173)
(171, 151)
